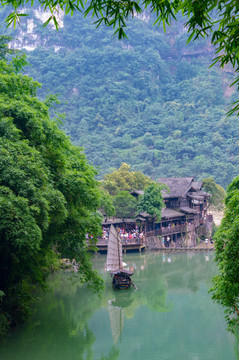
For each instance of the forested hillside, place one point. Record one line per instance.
(150, 100)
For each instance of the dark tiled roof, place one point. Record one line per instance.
(202, 193)
(197, 185)
(188, 210)
(142, 215)
(198, 195)
(117, 221)
(170, 213)
(178, 186)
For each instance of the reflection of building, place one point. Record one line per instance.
(183, 219)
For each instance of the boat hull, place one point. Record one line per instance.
(121, 282)
(121, 286)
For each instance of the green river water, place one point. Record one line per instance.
(170, 317)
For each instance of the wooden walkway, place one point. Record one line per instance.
(141, 247)
(200, 247)
(136, 247)
(184, 249)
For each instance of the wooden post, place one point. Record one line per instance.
(186, 237)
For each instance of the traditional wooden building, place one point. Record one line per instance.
(183, 219)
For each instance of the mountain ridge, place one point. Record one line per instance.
(150, 101)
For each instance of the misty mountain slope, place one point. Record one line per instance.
(150, 100)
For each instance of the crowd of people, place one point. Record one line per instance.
(127, 234)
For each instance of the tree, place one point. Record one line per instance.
(226, 283)
(48, 196)
(4, 49)
(217, 192)
(125, 205)
(124, 179)
(152, 200)
(202, 21)
(106, 204)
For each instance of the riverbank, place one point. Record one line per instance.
(195, 248)
(199, 247)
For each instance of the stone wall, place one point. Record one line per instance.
(205, 231)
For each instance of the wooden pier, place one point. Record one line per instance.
(129, 247)
(139, 246)
(200, 247)
(183, 249)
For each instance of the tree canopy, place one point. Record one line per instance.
(152, 200)
(124, 179)
(48, 195)
(106, 204)
(217, 19)
(217, 192)
(125, 205)
(226, 283)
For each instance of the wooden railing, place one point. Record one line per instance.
(159, 232)
(125, 241)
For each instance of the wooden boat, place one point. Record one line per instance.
(120, 277)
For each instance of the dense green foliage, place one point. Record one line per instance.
(4, 46)
(201, 20)
(152, 200)
(119, 185)
(124, 179)
(106, 206)
(150, 101)
(48, 196)
(217, 193)
(125, 205)
(226, 284)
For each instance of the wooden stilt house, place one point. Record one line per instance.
(183, 219)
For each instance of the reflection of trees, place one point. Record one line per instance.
(184, 280)
(113, 354)
(152, 290)
(237, 342)
(123, 298)
(59, 328)
(155, 296)
(155, 273)
(187, 270)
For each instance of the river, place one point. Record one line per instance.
(170, 317)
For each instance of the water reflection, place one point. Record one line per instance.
(116, 315)
(59, 328)
(170, 316)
